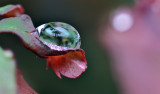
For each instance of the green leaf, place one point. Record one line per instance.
(7, 73)
(20, 26)
(23, 27)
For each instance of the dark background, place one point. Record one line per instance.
(85, 16)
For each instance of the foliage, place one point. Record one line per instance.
(69, 62)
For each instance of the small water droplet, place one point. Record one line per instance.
(60, 34)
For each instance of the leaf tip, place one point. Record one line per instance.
(71, 65)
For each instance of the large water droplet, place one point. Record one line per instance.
(60, 34)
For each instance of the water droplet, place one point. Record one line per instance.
(122, 22)
(60, 34)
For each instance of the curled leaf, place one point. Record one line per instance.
(25, 30)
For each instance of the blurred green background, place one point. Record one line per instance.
(84, 15)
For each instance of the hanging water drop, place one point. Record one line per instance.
(60, 34)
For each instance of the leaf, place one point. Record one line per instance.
(25, 30)
(11, 80)
(70, 65)
(22, 26)
(22, 86)
(11, 10)
(7, 73)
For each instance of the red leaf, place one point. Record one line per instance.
(70, 65)
(11, 10)
(22, 86)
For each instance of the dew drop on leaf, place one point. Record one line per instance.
(60, 34)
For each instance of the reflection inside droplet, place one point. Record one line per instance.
(60, 34)
(122, 22)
